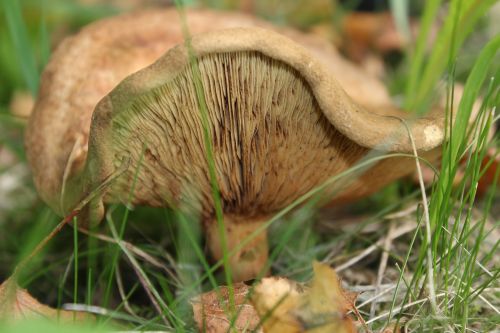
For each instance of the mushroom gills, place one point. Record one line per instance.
(271, 142)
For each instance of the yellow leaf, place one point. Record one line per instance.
(279, 305)
(275, 300)
(320, 307)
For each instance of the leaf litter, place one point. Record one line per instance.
(277, 304)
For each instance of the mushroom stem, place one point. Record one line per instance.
(248, 261)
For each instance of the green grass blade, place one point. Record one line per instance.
(463, 15)
(44, 36)
(207, 136)
(417, 57)
(24, 51)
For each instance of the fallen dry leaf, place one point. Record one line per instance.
(212, 311)
(279, 305)
(16, 304)
(365, 31)
(321, 306)
(275, 299)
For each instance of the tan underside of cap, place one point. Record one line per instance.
(266, 154)
(90, 64)
(271, 141)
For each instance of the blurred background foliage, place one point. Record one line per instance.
(47, 22)
(374, 42)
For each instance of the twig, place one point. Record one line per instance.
(153, 295)
(456, 241)
(402, 213)
(377, 296)
(105, 184)
(134, 249)
(365, 288)
(98, 310)
(121, 290)
(44, 242)
(399, 309)
(383, 265)
(489, 304)
(404, 229)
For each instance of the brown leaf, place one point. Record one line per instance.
(16, 304)
(213, 315)
(320, 307)
(367, 31)
(280, 305)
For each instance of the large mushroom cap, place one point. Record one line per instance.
(279, 121)
(279, 124)
(90, 64)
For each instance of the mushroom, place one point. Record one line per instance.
(280, 124)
